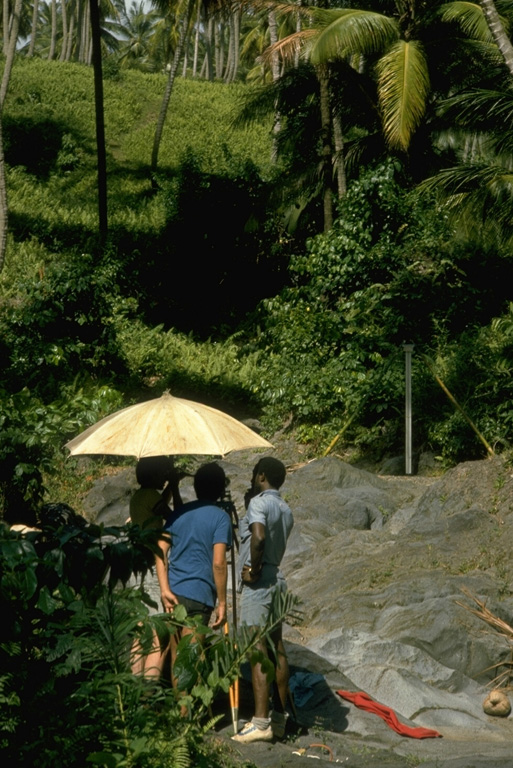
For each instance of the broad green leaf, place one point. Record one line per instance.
(46, 603)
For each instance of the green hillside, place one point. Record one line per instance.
(50, 132)
(205, 288)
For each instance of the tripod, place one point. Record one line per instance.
(229, 507)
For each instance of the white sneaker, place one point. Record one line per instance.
(279, 723)
(250, 733)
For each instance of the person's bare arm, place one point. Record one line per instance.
(172, 489)
(250, 575)
(161, 564)
(220, 572)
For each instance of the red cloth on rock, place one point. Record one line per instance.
(364, 701)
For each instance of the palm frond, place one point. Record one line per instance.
(505, 630)
(403, 91)
(479, 199)
(289, 46)
(480, 107)
(345, 31)
(470, 18)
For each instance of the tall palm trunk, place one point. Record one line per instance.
(275, 71)
(234, 45)
(64, 45)
(323, 78)
(53, 34)
(71, 29)
(209, 27)
(497, 31)
(6, 76)
(4, 222)
(80, 24)
(100, 121)
(10, 51)
(33, 30)
(196, 42)
(219, 47)
(340, 168)
(5, 23)
(184, 31)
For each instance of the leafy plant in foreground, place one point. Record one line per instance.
(69, 628)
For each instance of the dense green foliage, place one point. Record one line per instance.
(202, 289)
(70, 630)
(390, 271)
(215, 283)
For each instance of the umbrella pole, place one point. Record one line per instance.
(229, 506)
(234, 696)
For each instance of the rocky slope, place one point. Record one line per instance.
(379, 563)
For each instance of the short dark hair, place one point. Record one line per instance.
(153, 471)
(210, 482)
(273, 469)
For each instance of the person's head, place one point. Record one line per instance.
(272, 470)
(210, 482)
(153, 471)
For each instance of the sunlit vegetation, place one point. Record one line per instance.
(292, 194)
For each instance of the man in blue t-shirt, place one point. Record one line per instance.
(193, 570)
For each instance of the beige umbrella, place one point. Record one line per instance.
(166, 425)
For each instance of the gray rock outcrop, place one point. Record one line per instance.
(379, 563)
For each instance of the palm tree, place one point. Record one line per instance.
(478, 190)
(406, 56)
(184, 31)
(184, 21)
(387, 44)
(136, 30)
(498, 32)
(12, 41)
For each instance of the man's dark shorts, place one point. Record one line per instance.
(195, 608)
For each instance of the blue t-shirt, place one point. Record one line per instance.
(195, 528)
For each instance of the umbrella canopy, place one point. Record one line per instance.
(166, 425)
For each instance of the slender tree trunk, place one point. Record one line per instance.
(10, 51)
(299, 26)
(219, 48)
(184, 30)
(229, 56)
(340, 167)
(53, 34)
(498, 33)
(85, 37)
(196, 42)
(275, 71)
(233, 49)
(5, 23)
(323, 78)
(64, 44)
(204, 69)
(4, 85)
(33, 30)
(71, 30)
(209, 26)
(79, 33)
(4, 223)
(100, 121)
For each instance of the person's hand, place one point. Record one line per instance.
(220, 616)
(169, 601)
(250, 575)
